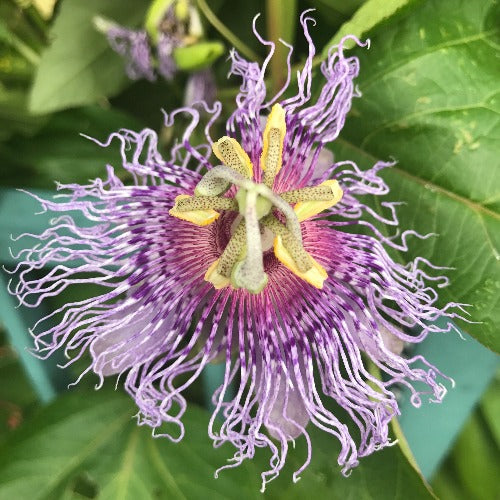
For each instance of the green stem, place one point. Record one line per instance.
(22, 48)
(281, 22)
(226, 32)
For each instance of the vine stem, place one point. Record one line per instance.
(226, 32)
(281, 25)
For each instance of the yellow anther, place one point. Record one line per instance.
(272, 149)
(198, 217)
(229, 152)
(306, 209)
(316, 275)
(213, 276)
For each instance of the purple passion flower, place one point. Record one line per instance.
(243, 256)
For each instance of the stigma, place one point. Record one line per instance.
(259, 211)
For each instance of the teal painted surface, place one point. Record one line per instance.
(432, 428)
(212, 379)
(17, 215)
(17, 323)
(20, 213)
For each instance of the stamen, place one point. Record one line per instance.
(292, 223)
(219, 272)
(229, 152)
(199, 217)
(316, 275)
(313, 199)
(213, 276)
(292, 254)
(205, 202)
(295, 248)
(272, 150)
(233, 250)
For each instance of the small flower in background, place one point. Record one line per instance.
(169, 24)
(171, 41)
(245, 258)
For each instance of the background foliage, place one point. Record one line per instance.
(431, 100)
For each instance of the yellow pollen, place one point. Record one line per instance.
(229, 152)
(213, 276)
(198, 217)
(316, 275)
(272, 149)
(307, 209)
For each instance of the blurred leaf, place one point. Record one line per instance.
(471, 470)
(239, 21)
(91, 441)
(60, 153)
(370, 15)
(79, 67)
(477, 461)
(14, 116)
(430, 100)
(330, 15)
(20, 42)
(16, 396)
(88, 444)
(490, 407)
(12, 40)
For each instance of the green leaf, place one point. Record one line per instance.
(431, 101)
(490, 407)
(369, 16)
(60, 153)
(91, 441)
(477, 460)
(14, 116)
(80, 67)
(340, 6)
(17, 396)
(470, 471)
(88, 444)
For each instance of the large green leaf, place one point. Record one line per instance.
(369, 16)
(431, 101)
(79, 67)
(87, 445)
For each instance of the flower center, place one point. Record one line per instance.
(261, 212)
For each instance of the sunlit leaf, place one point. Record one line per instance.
(370, 15)
(430, 100)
